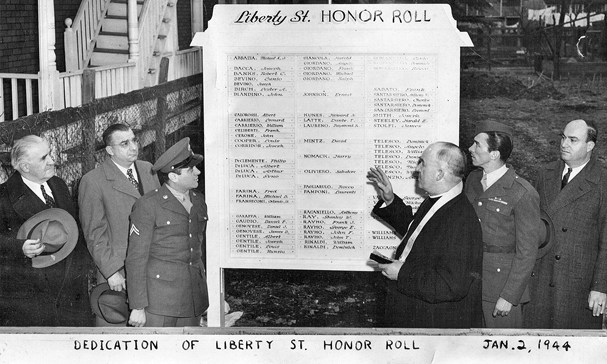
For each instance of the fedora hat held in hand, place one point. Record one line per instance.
(57, 231)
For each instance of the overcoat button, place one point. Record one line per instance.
(564, 229)
(557, 257)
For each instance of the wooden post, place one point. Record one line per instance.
(197, 16)
(89, 144)
(133, 36)
(48, 87)
(489, 48)
(133, 30)
(71, 49)
(161, 110)
(88, 85)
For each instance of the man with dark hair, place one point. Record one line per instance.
(57, 294)
(106, 196)
(568, 289)
(508, 208)
(165, 273)
(435, 279)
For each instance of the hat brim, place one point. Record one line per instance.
(68, 222)
(94, 299)
(196, 159)
(548, 234)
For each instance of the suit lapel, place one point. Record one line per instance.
(148, 181)
(552, 182)
(25, 202)
(579, 185)
(119, 180)
(63, 201)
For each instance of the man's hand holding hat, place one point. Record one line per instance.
(32, 248)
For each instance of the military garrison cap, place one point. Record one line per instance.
(489, 126)
(180, 155)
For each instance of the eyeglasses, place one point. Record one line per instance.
(126, 143)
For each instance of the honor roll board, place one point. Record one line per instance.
(299, 102)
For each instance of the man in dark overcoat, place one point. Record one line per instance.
(569, 284)
(435, 281)
(56, 295)
(106, 196)
(508, 208)
(165, 273)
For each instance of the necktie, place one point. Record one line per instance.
(129, 173)
(566, 178)
(49, 200)
(186, 203)
(484, 182)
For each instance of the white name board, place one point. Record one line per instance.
(299, 102)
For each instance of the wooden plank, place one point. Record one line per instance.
(15, 98)
(1, 99)
(28, 97)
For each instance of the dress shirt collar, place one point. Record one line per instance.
(181, 197)
(35, 187)
(494, 176)
(123, 170)
(574, 171)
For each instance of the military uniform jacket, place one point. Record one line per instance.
(165, 273)
(577, 262)
(106, 198)
(53, 296)
(439, 285)
(509, 212)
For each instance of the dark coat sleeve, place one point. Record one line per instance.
(398, 215)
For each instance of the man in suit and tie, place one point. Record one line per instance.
(165, 273)
(106, 196)
(508, 208)
(435, 280)
(56, 295)
(569, 284)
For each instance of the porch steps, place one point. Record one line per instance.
(112, 43)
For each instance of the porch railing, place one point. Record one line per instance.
(108, 81)
(21, 89)
(185, 63)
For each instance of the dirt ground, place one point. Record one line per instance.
(537, 108)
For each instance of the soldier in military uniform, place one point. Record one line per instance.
(509, 211)
(164, 268)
